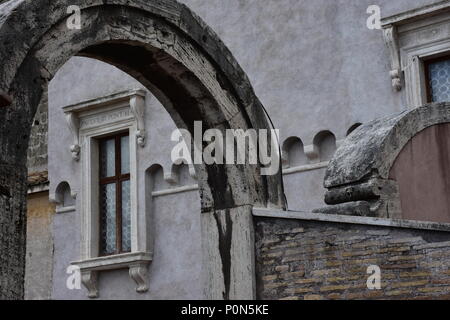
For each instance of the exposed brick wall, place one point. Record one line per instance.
(319, 260)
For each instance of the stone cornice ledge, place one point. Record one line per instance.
(417, 13)
(114, 98)
(136, 262)
(381, 222)
(135, 98)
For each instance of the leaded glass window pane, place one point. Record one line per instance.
(108, 218)
(439, 77)
(108, 158)
(126, 217)
(125, 154)
(115, 200)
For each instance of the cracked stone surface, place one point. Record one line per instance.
(175, 55)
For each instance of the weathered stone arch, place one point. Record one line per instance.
(185, 65)
(373, 147)
(358, 177)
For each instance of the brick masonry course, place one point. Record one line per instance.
(306, 260)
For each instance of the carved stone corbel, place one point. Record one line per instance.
(138, 272)
(74, 125)
(136, 263)
(137, 105)
(89, 279)
(391, 41)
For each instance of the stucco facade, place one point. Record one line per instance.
(319, 72)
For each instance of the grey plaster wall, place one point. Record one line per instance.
(312, 61)
(314, 65)
(176, 270)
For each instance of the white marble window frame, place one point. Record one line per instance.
(90, 121)
(412, 38)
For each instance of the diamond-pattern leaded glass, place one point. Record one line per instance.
(108, 218)
(115, 199)
(108, 158)
(439, 75)
(125, 154)
(126, 217)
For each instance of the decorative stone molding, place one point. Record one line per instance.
(89, 279)
(357, 177)
(60, 210)
(412, 37)
(137, 105)
(136, 262)
(119, 106)
(390, 39)
(74, 126)
(138, 272)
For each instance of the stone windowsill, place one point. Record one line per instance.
(136, 262)
(118, 261)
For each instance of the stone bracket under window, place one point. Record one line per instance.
(135, 99)
(390, 39)
(136, 262)
(412, 37)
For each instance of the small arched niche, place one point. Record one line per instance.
(325, 143)
(293, 153)
(64, 198)
(155, 178)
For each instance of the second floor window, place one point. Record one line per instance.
(114, 194)
(438, 79)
